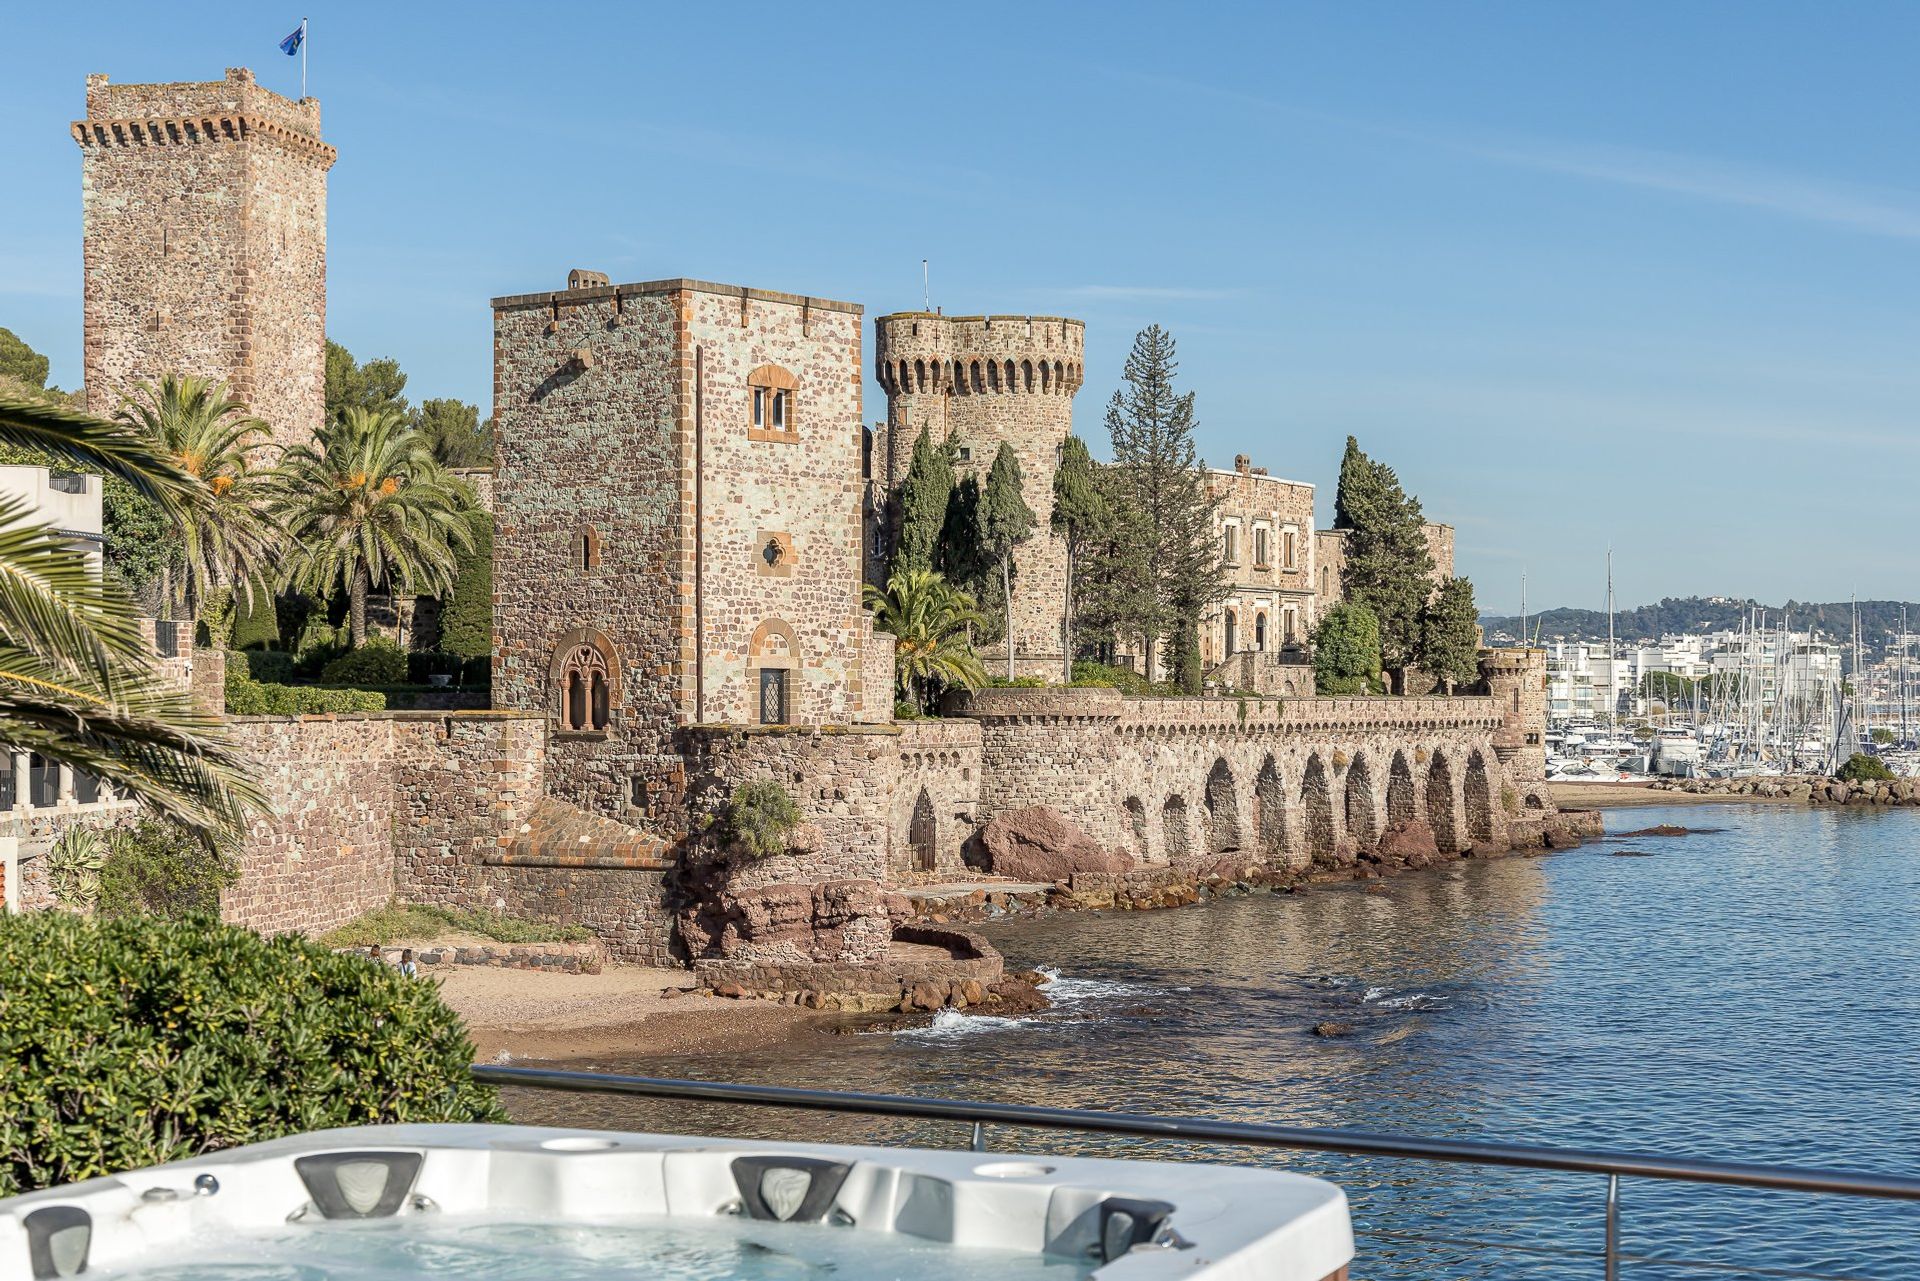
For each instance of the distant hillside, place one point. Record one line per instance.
(1879, 620)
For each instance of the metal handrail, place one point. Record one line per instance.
(1205, 1130)
(1614, 1166)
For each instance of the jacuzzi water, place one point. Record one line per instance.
(644, 1248)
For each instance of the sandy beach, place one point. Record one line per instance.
(536, 1014)
(1600, 796)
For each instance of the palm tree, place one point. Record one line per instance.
(929, 619)
(367, 506)
(227, 539)
(77, 683)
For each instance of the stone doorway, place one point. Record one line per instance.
(923, 835)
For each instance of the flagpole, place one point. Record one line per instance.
(303, 59)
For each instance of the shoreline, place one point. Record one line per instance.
(1601, 796)
(515, 1015)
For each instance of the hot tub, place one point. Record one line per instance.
(512, 1203)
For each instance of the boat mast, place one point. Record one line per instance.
(1613, 676)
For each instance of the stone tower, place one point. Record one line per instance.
(984, 380)
(204, 216)
(1517, 680)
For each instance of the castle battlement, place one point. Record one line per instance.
(919, 352)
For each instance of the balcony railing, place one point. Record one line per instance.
(1611, 1166)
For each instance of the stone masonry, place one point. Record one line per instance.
(711, 562)
(204, 241)
(1265, 526)
(984, 380)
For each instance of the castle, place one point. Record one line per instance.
(687, 503)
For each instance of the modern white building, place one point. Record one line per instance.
(68, 501)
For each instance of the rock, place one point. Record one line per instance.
(1040, 844)
(732, 991)
(806, 838)
(1664, 829)
(927, 996)
(1410, 842)
(670, 993)
(1333, 1029)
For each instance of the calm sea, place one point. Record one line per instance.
(1747, 993)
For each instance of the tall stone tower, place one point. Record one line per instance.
(984, 380)
(204, 225)
(1517, 681)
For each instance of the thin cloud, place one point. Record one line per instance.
(1131, 293)
(1789, 195)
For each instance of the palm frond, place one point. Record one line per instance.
(90, 444)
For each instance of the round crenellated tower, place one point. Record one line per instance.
(1517, 680)
(982, 380)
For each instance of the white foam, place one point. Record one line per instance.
(949, 1025)
(1406, 1001)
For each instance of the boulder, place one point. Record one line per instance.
(1333, 1029)
(1410, 842)
(1040, 844)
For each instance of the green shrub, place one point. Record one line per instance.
(424, 922)
(320, 643)
(73, 867)
(142, 1041)
(256, 625)
(1017, 682)
(272, 665)
(466, 615)
(1862, 768)
(907, 710)
(156, 868)
(378, 662)
(1346, 651)
(249, 697)
(757, 819)
(1089, 674)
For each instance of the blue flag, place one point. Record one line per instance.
(291, 45)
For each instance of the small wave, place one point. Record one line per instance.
(1379, 996)
(950, 1025)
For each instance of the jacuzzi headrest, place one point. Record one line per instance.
(788, 1189)
(58, 1239)
(358, 1185)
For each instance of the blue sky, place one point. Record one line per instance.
(1641, 274)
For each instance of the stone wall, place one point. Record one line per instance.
(640, 513)
(460, 784)
(204, 243)
(985, 380)
(1330, 557)
(1201, 781)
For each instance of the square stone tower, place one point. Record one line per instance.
(678, 526)
(204, 225)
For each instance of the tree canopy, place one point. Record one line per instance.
(21, 362)
(1161, 567)
(924, 496)
(1005, 522)
(1387, 566)
(1450, 635)
(1346, 651)
(1080, 516)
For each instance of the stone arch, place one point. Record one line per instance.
(1175, 834)
(584, 678)
(974, 375)
(1137, 827)
(1400, 797)
(586, 548)
(1479, 799)
(1441, 805)
(1316, 803)
(920, 375)
(1270, 811)
(773, 664)
(1046, 377)
(1059, 376)
(1223, 810)
(1010, 384)
(923, 835)
(1363, 822)
(1026, 375)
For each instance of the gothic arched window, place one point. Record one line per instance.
(584, 681)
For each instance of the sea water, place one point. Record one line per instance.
(1750, 992)
(416, 1248)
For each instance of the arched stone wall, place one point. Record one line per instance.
(1443, 804)
(1316, 806)
(1137, 829)
(1177, 837)
(1270, 813)
(1479, 800)
(1363, 820)
(1401, 803)
(1222, 810)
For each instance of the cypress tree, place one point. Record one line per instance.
(924, 497)
(1388, 568)
(1005, 522)
(1172, 570)
(1080, 516)
(1450, 635)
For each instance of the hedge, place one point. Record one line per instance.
(466, 615)
(378, 661)
(255, 625)
(140, 1041)
(249, 697)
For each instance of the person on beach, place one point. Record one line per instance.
(374, 954)
(407, 967)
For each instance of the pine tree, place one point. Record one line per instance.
(1387, 565)
(1005, 522)
(1166, 569)
(923, 504)
(1080, 516)
(1450, 635)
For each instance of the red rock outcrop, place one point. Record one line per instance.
(1040, 844)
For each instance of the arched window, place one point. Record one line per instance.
(586, 548)
(773, 654)
(1232, 625)
(586, 690)
(772, 391)
(1260, 632)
